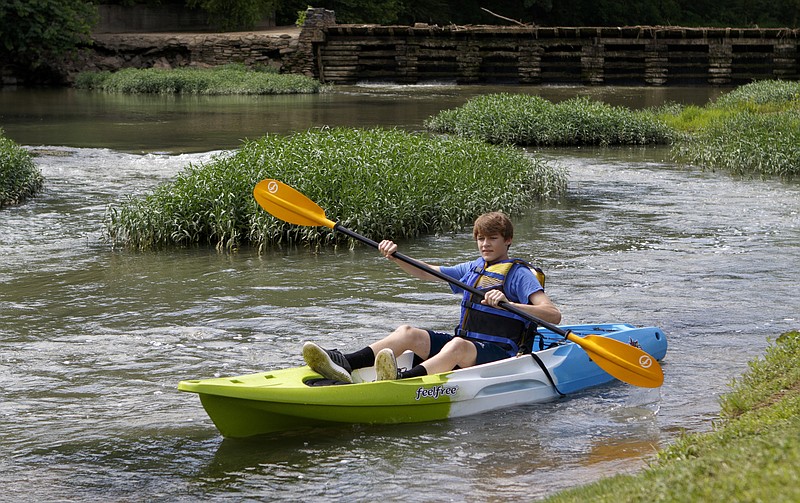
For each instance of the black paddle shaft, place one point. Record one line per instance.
(419, 265)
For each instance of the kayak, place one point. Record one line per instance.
(297, 398)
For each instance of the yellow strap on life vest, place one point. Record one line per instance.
(486, 282)
(538, 273)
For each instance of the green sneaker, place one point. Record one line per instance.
(386, 365)
(329, 363)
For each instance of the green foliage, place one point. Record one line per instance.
(738, 13)
(765, 94)
(347, 11)
(301, 17)
(36, 31)
(690, 118)
(746, 143)
(523, 119)
(19, 177)
(381, 183)
(766, 378)
(754, 129)
(752, 454)
(229, 79)
(231, 15)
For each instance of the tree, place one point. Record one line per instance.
(231, 15)
(35, 32)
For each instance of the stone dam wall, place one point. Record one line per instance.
(347, 54)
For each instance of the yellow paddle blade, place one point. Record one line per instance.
(284, 202)
(623, 361)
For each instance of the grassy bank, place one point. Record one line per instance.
(229, 79)
(752, 454)
(19, 177)
(380, 183)
(522, 119)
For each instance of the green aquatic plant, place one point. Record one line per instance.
(761, 93)
(378, 182)
(522, 119)
(228, 79)
(20, 179)
(746, 143)
(753, 130)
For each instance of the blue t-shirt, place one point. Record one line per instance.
(520, 284)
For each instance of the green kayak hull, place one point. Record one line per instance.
(288, 399)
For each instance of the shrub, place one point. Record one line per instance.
(762, 92)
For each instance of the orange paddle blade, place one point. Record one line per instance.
(286, 203)
(623, 361)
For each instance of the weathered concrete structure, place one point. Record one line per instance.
(346, 54)
(656, 56)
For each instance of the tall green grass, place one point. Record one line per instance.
(746, 143)
(753, 130)
(20, 179)
(228, 79)
(382, 183)
(522, 119)
(762, 93)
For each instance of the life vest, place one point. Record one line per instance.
(496, 325)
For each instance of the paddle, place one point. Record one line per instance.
(623, 361)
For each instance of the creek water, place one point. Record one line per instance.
(93, 340)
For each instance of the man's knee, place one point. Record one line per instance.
(458, 345)
(409, 333)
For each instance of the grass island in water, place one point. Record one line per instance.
(752, 130)
(223, 80)
(378, 182)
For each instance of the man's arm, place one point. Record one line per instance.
(387, 248)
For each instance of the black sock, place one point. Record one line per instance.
(417, 371)
(361, 358)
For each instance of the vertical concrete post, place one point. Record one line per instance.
(593, 61)
(530, 62)
(785, 59)
(720, 59)
(655, 62)
(468, 60)
(406, 58)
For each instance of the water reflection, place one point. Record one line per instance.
(175, 124)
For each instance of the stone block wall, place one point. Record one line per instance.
(346, 54)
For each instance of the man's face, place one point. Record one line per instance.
(493, 247)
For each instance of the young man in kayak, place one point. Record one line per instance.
(486, 332)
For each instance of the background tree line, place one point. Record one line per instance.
(34, 32)
(738, 13)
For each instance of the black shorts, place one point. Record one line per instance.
(487, 352)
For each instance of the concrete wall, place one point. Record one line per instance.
(542, 55)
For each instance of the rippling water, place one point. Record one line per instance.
(93, 341)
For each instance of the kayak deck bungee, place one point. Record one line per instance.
(288, 399)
